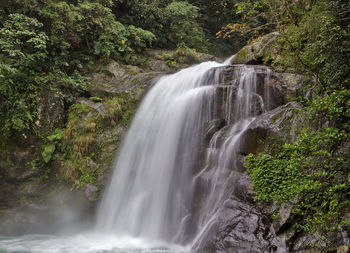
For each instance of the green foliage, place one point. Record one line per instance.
(334, 107)
(51, 142)
(22, 57)
(172, 22)
(214, 14)
(78, 144)
(185, 54)
(87, 28)
(169, 59)
(309, 175)
(52, 45)
(319, 43)
(182, 26)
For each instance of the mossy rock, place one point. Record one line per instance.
(259, 51)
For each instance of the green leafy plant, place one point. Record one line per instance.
(310, 174)
(22, 57)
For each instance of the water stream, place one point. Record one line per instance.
(148, 205)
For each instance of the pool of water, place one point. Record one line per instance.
(84, 243)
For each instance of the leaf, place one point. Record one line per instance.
(47, 152)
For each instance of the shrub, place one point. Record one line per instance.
(22, 56)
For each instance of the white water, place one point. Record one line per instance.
(148, 204)
(150, 192)
(222, 157)
(83, 243)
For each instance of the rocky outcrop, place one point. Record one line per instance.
(259, 51)
(242, 225)
(50, 111)
(117, 77)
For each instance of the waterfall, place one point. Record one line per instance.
(155, 178)
(177, 167)
(150, 191)
(222, 159)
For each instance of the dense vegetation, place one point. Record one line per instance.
(311, 174)
(53, 45)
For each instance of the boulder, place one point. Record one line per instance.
(117, 77)
(241, 227)
(259, 51)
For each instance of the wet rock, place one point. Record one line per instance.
(270, 91)
(211, 128)
(278, 122)
(242, 228)
(252, 140)
(243, 188)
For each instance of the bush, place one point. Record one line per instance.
(50, 45)
(172, 22)
(22, 56)
(310, 176)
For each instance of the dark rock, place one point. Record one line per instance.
(242, 228)
(305, 241)
(279, 121)
(210, 129)
(243, 188)
(285, 220)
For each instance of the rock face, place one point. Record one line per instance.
(117, 77)
(241, 224)
(244, 228)
(259, 51)
(50, 111)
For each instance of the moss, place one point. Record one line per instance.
(82, 147)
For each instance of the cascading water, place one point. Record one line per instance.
(151, 196)
(150, 191)
(241, 105)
